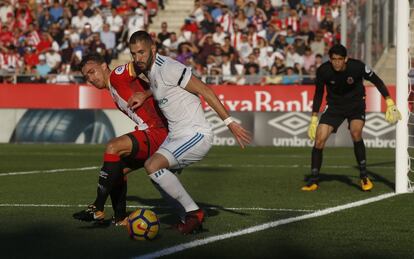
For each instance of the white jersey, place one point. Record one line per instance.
(181, 108)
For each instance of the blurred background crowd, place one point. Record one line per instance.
(245, 42)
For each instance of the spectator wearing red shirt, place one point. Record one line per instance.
(45, 42)
(190, 25)
(123, 8)
(31, 59)
(6, 36)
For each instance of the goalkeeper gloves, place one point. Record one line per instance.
(392, 115)
(312, 127)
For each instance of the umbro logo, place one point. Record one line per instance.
(293, 123)
(375, 125)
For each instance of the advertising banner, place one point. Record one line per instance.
(276, 115)
(280, 98)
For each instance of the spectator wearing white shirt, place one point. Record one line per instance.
(78, 22)
(115, 23)
(318, 45)
(5, 9)
(244, 48)
(53, 59)
(136, 21)
(219, 35)
(171, 45)
(96, 20)
(292, 57)
(198, 12)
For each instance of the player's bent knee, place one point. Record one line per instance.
(155, 163)
(149, 166)
(356, 135)
(319, 144)
(118, 146)
(112, 147)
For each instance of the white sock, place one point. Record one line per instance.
(173, 203)
(172, 186)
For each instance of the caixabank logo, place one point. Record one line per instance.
(222, 135)
(377, 132)
(286, 130)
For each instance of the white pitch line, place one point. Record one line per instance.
(146, 207)
(61, 170)
(272, 224)
(195, 166)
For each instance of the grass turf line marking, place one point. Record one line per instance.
(257, 228)
(195, 166)
(144, 207)
(51, 171)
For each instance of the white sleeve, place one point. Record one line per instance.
(174, 73)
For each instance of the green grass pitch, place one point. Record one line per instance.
(238, 188)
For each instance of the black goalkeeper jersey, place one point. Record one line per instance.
(344, 88)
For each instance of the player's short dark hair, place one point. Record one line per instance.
(141, 36)
(93, 56)
(338, 49)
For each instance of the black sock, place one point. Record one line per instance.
(360, 155)
(111, 172)
(118, 198)
(317, 156)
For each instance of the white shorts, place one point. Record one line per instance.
(184, 151)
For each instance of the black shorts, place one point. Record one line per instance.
(334, 115)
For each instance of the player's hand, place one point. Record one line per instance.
(312, 127)
(136, 100)
(243, 136)
(392, 115)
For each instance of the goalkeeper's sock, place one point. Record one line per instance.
(118, 198)
(172, 186)
(316, 162)
(360, 155)
(111, 171)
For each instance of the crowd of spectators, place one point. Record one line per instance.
(44, 40)
(255, 42)
(245, 42)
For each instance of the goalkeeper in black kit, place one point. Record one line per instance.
(343, 78)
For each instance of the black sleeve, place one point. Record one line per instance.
(319, 90)
(374, 78)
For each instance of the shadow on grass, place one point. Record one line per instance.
(170, 214)
(350, 180)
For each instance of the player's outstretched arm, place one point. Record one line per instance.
(138, 98)
(195, 86)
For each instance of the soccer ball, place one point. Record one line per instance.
(143, 224)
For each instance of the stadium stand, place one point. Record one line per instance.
(226, 42)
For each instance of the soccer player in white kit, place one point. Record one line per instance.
(190, 137)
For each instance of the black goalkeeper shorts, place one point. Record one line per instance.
(334, 115)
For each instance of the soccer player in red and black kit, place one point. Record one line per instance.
(127, 152)
(345, 98)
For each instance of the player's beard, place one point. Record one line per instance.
(145, 66)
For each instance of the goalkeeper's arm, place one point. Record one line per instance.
(392, 115)
(317, 100)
